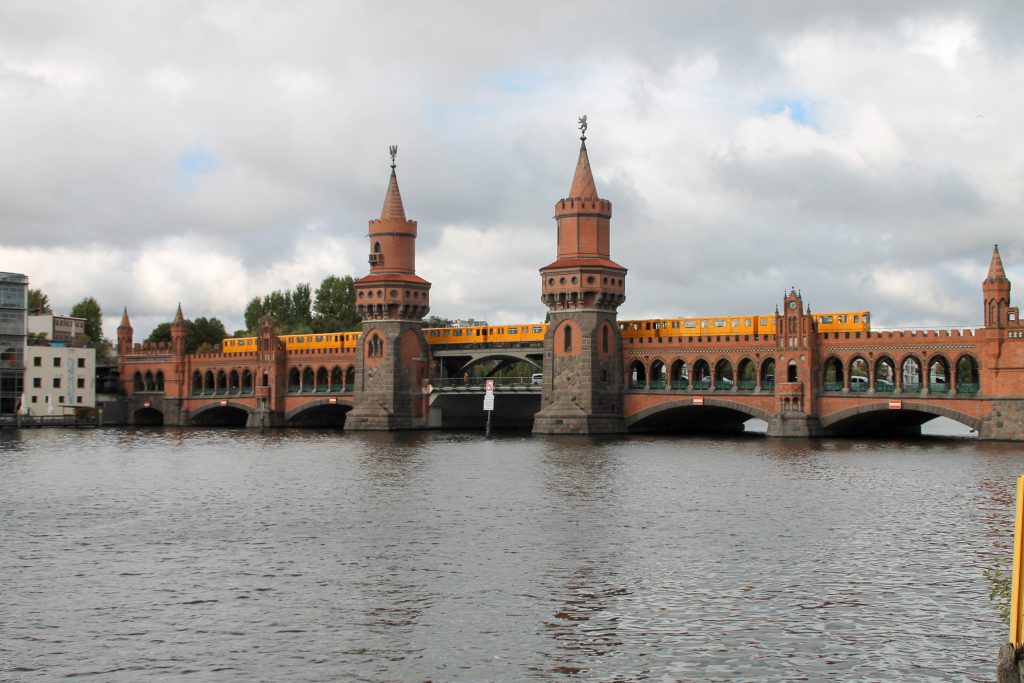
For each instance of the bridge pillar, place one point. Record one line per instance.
(583, 288)
(794, 424)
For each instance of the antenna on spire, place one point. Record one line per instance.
(583, 127)
(394, 152)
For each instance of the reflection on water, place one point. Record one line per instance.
(313, 555)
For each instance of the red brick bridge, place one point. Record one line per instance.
(800, 380)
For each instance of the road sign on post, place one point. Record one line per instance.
(489, 386)
(488, 402)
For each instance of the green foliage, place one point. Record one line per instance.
(335, 305)
(296, 311)
(201, 333)
(999, 592)
(38, 302)
(435, 321)
(89, 309)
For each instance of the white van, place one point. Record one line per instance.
(537, 379)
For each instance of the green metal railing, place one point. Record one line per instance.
(723, 385)
(833, 386)
(938, 388)
(858, 386)
(966, 388)
(636, 384)
(657, 384)
(911, 388)
(746, 385)
(884, 386)
(680, 384)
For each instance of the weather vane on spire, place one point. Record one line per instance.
(583, 127)
(394, 152)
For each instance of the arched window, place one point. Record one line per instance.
(376, 247)
(910, 375)
(307, 379)
(746, 375)
(150, 384)
(768, 375)
(604, 339)
(137, 382)
(938, 375)
(322, 382)
(885, 375)
(659, 375)
(350, 378)
(197, 382)
(680, 375)
(159, 380)
(568, 339)
(701, 378)
(723, 375)
(967, 375)
(791, 372)
(222, 382)
(859, 379)
(208, 383)
(246, 381)
(336, 379)
(294, 380)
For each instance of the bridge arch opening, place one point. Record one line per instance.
(220, 416)
(746, 374)
(319, 414)
(222, 381)
(307, 379)
(294, 380)
(768, 374)
(323, 382)
(233, 382)
(885, 374)
(967, 378)
(208, 382)
(938, 374)
(246, 380)
(859, 375)
(637, 375)
(724, 378)
(701, 374)
(876, 419)
(148, 417)
(833, 375)
(659, 374)
(350, 378)
(680, 374)
(715, 416)
(910, 374)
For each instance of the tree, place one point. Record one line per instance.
(202, 334)
(89, 309)
(38, 302)
(335, 305)
(290, 310)
(435, 321)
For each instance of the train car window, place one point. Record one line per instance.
(513, 330)
(538, 330)
(456, 333)
(435, 333)
(703, 323)
(764, 321)
(719, 323)
(320, 338)
(746, 321)
(675, 323)
(856, 318)
(690, 323)
(735, 323)
(826, 319)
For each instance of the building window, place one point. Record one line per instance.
(60, 399)
(35, 399)
(81, 383)
(56, 382)
(81, 362)
(37, 361)
(56, 361)
(37, 382)
(78, 399)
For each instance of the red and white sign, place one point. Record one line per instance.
(698, 400)
(223, 403)
(332, 400)
(146, 404)
(895, 405)
(489, 386)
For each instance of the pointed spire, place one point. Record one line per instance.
(393, 210)
(124, 318)
(583, 180)
(179, 317)
(995, 268)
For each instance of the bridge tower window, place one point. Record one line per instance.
(568, 339)
(266, 379)
(137, 383)
(159, 380)
(791, 372)
(604, 339)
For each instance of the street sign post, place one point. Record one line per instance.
(489, 407)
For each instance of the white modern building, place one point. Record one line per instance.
(59, 375)
(13, 307)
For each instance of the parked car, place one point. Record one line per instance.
(537, 379)
(857, 382)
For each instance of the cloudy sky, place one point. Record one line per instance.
(868, 153)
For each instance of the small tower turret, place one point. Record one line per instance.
(996, 293)
(179, 333)
(124, 334)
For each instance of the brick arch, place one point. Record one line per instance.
(315, 403)
(212, 405)
(938, 411)
(688, 403)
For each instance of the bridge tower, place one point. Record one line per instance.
(582, 288)
(124, 335)
(996, 292)
(392, 357)
(796, 364)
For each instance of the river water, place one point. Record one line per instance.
(322, 556)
